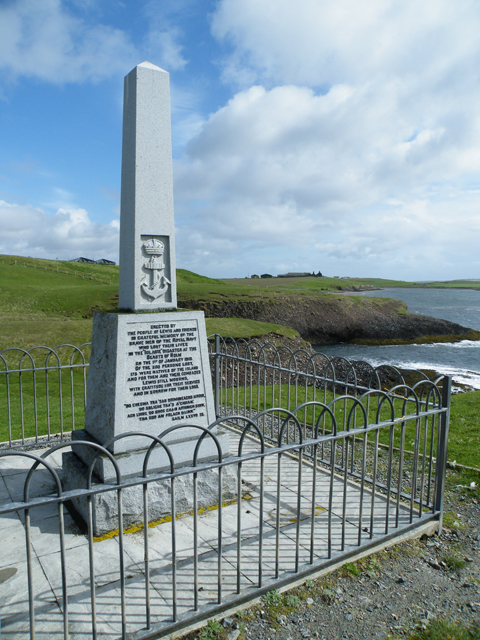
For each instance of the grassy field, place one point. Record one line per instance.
(325, 284)
(52, 302)
(46, 302)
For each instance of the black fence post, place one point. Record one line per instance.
(216, 375)
(442, 446)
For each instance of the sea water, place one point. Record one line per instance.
(461, 360)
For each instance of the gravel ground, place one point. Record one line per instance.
(387, 595)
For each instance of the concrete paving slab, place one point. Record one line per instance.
(10, 465)
(160, 544)
(13, 547)
(41, 512)
(45, 535)
(41, 484)
(8, 521)
(207, 580)
(4, 494)
(14, 591)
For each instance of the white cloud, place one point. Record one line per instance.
(356, 106)
(45, 40)
(163, 45)
(27, 230)
(288, 167)
(317, 42)
(51, 41)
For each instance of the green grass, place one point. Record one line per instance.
(273, 598)
(28, 290)
(47, 302)
(454, 562)
(339, 284)
(447, 630)
(26, 332)
(248, 329)
(212, 630)
(464, 419)
(352, 569)
(41, 418)
(465, 429)
(37, 295)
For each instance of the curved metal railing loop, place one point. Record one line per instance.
(23, 351)
(390, 368)
(325, 409)
(278, 355)
(329, 365)
(205, 432)
(289, 416)
(37, 460)
(404, 394)
(264, 352)
(360, 366)
(381, 397)
(429, 393)
(340, 381)
(246, 430)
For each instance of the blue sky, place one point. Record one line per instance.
(308, 135)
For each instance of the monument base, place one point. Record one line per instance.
(130, 463)
(149, 374)
(105, 505)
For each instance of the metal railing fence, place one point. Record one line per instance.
(285, 506)
(43, 391)
(250, 377)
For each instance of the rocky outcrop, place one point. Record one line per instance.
(335, 318)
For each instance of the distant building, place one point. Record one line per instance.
(101, 261)
(254, 276)
(293, 274)
(266, 275)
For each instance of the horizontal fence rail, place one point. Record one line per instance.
(281, 506)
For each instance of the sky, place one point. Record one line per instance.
(308, 135)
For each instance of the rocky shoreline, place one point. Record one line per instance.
(340, 318)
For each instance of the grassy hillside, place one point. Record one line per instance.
(326, 284)
(47, 302)
(50, 302)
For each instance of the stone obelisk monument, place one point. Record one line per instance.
(147, 245)
(149, 369)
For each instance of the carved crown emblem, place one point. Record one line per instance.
(154, 247)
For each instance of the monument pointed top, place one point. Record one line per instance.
(149, 65)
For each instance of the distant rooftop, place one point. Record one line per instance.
(101, 261)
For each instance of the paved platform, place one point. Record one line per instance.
(46, 560)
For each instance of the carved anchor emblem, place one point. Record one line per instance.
(159, 283)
